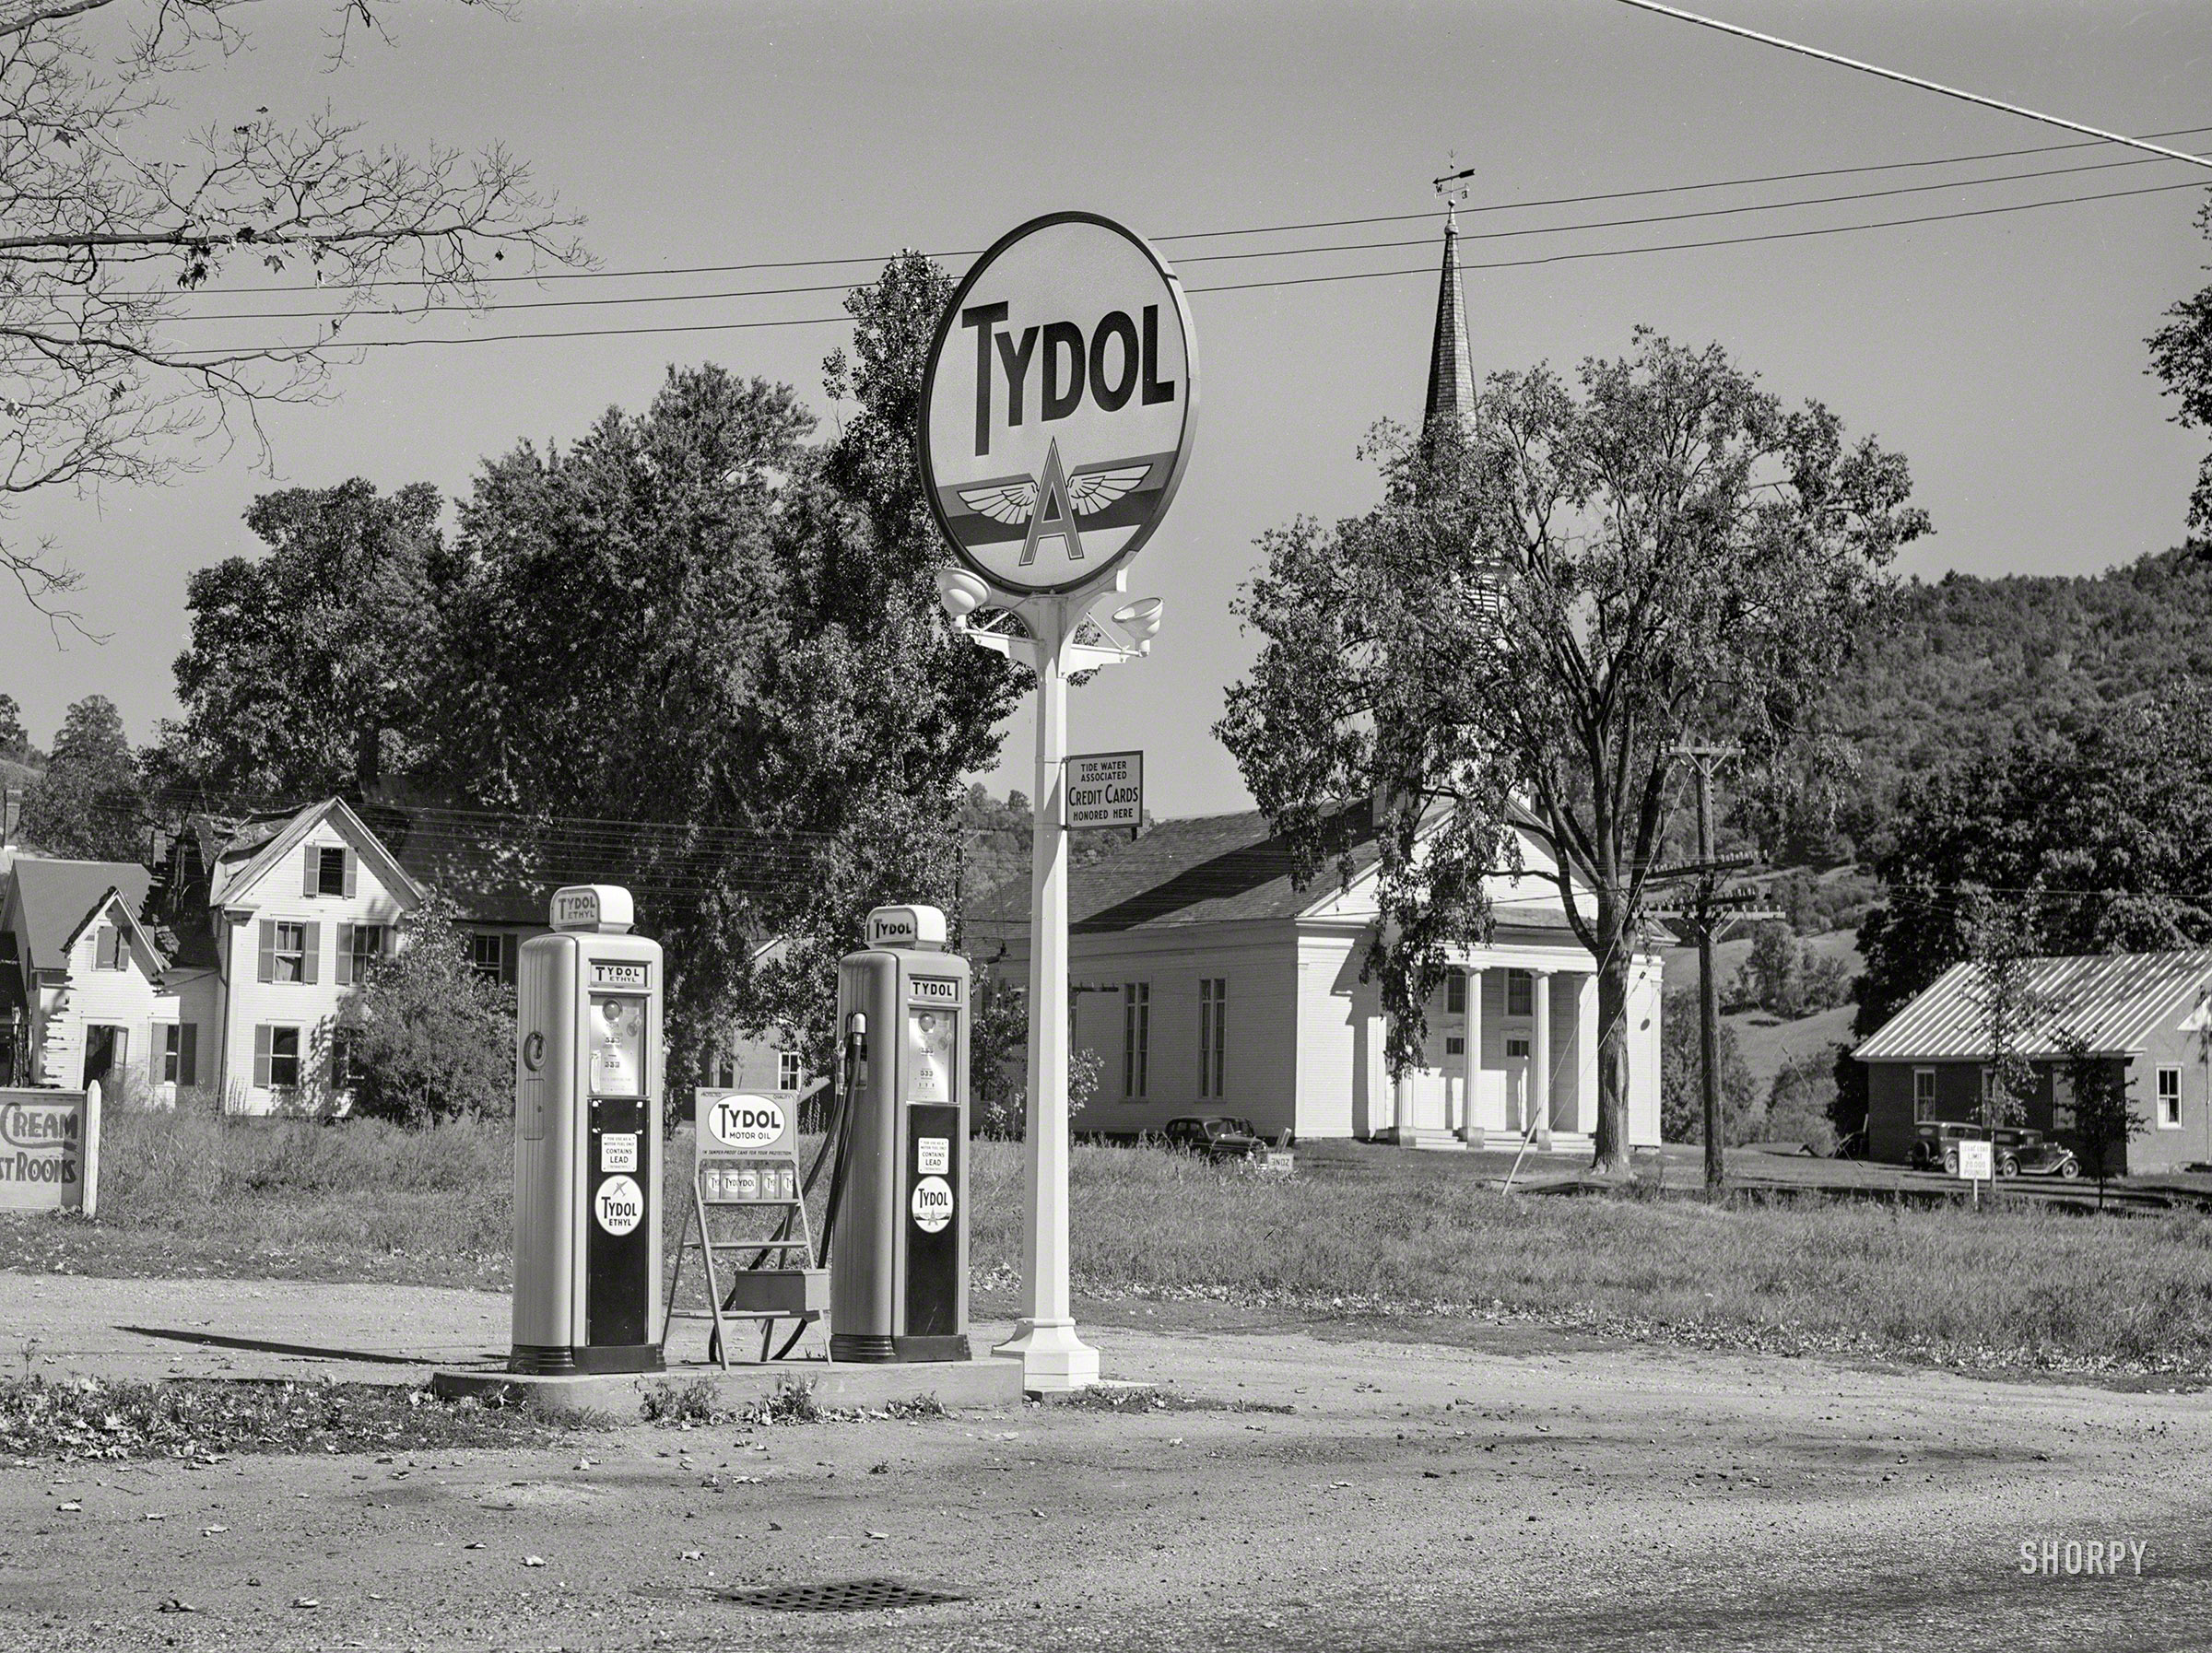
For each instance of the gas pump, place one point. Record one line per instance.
(587, 1113)
(898, 1192)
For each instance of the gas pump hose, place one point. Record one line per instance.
(856, 1057)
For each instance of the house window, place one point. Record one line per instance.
(488, 953)
(181, 1053)
(1213, 1033)
(1520, 993)
(1923, 1094)
(1454, 1046)
(330, 871)
(360, 947)
(2170, 1098)
(1516, 1047)
(1455, 993)
(1137, 1039)
(725, 1071)
(289, 953)
(791, 1071)
(109, 952)
(277, 1058)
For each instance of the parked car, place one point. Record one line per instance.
(1217, 1136)
(2036, 1157)
(1935, 1148)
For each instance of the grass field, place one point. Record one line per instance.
(1372, 1232)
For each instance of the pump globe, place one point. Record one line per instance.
(960, 591)
(1140, 618)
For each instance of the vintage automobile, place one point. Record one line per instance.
(1935, 1147)
(2034, 1156)
(1215, 1135)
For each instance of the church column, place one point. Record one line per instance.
(1585, 1056)
(1471, 1081)
(1540, 1055)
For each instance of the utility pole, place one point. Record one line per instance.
(1711, 907)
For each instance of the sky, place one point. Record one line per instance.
(2002, 355)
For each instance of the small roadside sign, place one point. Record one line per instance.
(1977, 1161)
(1106, 789)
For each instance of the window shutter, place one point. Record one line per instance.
(107, 947)
(308, 870)
(268, 951)
(343, 975)
(188, 1053)
(352, 861)
(313, 947)
(260, 1056)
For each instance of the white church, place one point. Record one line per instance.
(1204, 984)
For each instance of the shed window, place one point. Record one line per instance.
(2170, 1098)
(1520, 993)
(1923, 1094)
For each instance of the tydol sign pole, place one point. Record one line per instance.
(1057, 415)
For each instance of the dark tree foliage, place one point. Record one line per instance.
(1962, 667)
(89, 803)
(14, 746)
(694, 618)
(308, 668)
(2107, 821)
(1539, 611)
(2180, 353)
(1682, 1083)
(431, 1037)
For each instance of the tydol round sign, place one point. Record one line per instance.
(1059, 404)
(743, 1121)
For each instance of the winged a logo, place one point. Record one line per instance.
(1047, 506)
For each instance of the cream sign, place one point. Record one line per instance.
(1059, 405)
(49, 1150)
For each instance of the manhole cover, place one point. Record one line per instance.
(841, 1594)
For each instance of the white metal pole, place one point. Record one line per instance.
(1054, 1358)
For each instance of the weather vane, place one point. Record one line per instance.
(1454, 185)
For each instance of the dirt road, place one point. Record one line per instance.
(1512, 1494)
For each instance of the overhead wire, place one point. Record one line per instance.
(1268, 253)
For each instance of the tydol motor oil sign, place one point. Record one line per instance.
(1059, 404)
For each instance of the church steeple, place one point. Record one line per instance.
(1450, 362)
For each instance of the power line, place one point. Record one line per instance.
(1913, 80)
(1466, 210)
(215, 353)
(1487, 235)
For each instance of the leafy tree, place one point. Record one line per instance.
(309, 669)
(1544, 605)
(88, 803)
(2104, 1122)
(15, 744)
(2180, 353)
(1788, 978)
(112, 219)
(2109, 818)
(1681, 1083)
(693, 619)
(2001, 947)
(1801, 1102)
(432, 1038)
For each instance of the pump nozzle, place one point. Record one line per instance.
(856, 1034)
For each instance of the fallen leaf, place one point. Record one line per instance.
(879, 1536)
(72, 1507)
(211, 1532)
(693, 1556)
(175, 1604)
(533, 1560)
(305, 1602)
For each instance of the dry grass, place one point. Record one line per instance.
(1405, 1236)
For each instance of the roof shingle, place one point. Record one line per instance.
(2115, 1001)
